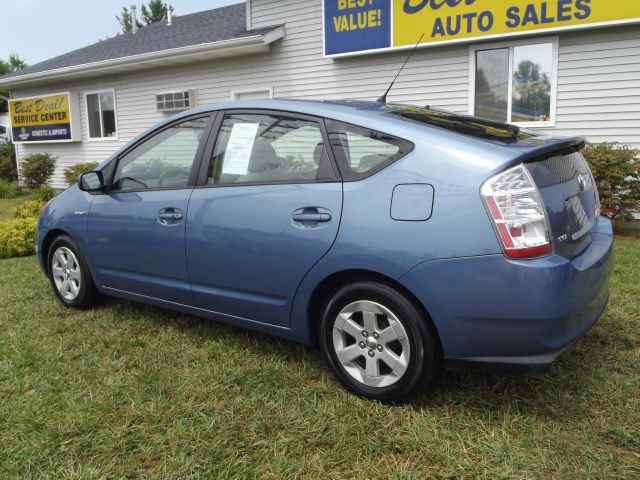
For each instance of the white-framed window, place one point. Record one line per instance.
(515, 82)
(101, 115)
(176, 100)
(256, 94)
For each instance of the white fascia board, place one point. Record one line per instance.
(252, 44)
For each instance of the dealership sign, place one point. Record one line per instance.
(46, 118)
(352, 26)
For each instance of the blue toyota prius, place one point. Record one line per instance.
(398, 239)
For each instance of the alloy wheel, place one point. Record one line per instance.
(371, 343)
(65, 270)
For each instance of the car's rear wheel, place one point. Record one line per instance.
(69, 274)
(378, 344)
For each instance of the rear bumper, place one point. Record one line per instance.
(523, 364)
(499, 315)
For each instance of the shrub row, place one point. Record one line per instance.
(9, 189)
(616, 171)
(18, 236)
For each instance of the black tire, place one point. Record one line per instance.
(79, 291)
(419, 342)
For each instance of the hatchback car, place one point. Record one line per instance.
(399, 239)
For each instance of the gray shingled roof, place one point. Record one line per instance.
(186, 30)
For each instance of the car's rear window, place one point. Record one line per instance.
(361, 152)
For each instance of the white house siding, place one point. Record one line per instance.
(598, 86)
(598, 72)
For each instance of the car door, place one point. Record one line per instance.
(136, 229)
(269, 210)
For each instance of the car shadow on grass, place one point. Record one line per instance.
(563, 392)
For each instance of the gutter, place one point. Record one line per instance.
(140, 60)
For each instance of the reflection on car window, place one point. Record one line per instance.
(360, 150)
(268, 148)
(162, 161)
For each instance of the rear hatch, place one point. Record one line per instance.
(570, 198)
(557, 166)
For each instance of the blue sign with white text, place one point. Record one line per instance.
(355, 25)
(42, 133)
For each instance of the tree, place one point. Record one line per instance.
(126, 21)
(11, 65)
(532, 99)
(155, 12)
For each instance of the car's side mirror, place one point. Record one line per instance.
(91, 182)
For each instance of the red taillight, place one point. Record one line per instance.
(514, 205)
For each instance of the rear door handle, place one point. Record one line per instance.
(170, 216)
(311, 217)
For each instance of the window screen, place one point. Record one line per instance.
(492, 84)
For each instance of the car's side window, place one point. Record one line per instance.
(164, 160)
(360, 151)
(261, 147)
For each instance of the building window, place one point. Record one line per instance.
(101, 114)
(515, 82)
(172, 101)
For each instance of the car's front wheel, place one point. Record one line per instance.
(378, 344)
(69, 274)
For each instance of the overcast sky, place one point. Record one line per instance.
(41, 29)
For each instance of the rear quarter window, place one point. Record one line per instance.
(361, 152)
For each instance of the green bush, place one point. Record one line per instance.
(17, 237)
(30, 209)
(8, 189)
(37, 169)
(72, 173)
(44, 194)
(616, 171)
(8, 163)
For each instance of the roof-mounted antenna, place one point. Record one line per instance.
(383, 98)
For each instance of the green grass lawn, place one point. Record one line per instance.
(129, 391)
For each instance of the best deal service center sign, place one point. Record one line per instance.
(47, 118)
(352, 26)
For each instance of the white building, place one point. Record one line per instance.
(569, 67)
